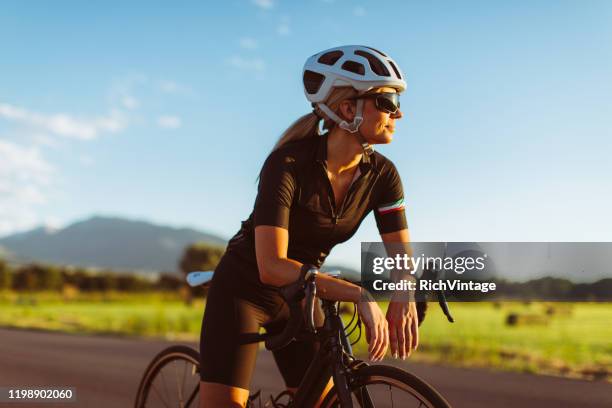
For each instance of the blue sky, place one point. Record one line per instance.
(165, 112)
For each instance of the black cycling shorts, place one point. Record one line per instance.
(232, 311)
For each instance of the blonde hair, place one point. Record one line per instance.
(307, 125)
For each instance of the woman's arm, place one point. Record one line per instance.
(277, 270)
(402, 312)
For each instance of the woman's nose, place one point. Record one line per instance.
(397, 115)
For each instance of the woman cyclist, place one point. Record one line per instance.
(314, 191)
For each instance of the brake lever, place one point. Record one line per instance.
(442, 300)
(311, 293)
(444, 305)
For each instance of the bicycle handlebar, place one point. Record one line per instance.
(293, 295)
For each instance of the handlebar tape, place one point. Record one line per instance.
(290, 331)
(293, 295)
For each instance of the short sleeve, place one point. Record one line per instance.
(389, 210)
(275, 192)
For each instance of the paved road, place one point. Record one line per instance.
(106, 372)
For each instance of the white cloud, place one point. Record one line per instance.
(249, 43)
(248, 64)
(130, 102)
(22, 163)
(283, 27)
(122, 91)
(359, 11)
(169, 122)
(66, 125)
(43, 140)
(169, 86)
(25, 183)
(173, 87)
(264, 4)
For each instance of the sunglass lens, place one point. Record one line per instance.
(388, 102)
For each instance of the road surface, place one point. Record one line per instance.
(106, 371)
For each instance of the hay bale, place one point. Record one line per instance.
(558, 310)
(526, 319)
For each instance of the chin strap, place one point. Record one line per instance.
(352, 127)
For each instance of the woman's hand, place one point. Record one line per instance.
(377, 331)
(403, 328)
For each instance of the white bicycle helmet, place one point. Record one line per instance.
(363, 68)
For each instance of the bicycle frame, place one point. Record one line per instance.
(329, 362)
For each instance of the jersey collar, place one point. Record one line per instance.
(365, 164)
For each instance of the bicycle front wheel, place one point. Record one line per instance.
(385, 386)
(172, 380)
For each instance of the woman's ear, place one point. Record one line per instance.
(347, 110)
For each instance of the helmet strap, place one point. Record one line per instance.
(352, 127)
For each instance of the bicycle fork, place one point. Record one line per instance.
(341, 371)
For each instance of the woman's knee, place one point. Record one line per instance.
(221, 395)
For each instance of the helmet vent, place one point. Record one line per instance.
(312, 81)
(380, 52)
(377, 66)
(354, 67)
(395, 69)
(330, 58)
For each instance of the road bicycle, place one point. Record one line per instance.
(172, 378)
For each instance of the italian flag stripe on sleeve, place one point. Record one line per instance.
(391, 207)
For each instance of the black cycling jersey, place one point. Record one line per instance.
(295, 193)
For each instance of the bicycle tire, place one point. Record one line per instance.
(161, 360)
(392, 376)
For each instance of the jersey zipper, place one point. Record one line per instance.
(350, 190)
(331, 198)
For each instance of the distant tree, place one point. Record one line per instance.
(27, 278)
(49, 278)
(38, 277)
(550, 288)
(132, 283)
(199, 257)
(169, 282)
(6, 277)
(74, 277)
(106, 281)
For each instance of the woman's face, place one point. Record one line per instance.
(378, 126)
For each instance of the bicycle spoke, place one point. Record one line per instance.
(159, 395)
(381, 392)
(164, 382)
(184, 376)
(176, 369)
(193, 395)
(178, 387)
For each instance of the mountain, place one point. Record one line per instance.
(106, 242)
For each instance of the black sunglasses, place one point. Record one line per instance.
(385, 102)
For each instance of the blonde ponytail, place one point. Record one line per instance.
(301, 128)
(308, 124)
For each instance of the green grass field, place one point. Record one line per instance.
(571, 340)
(155, 315)
(576, 340)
